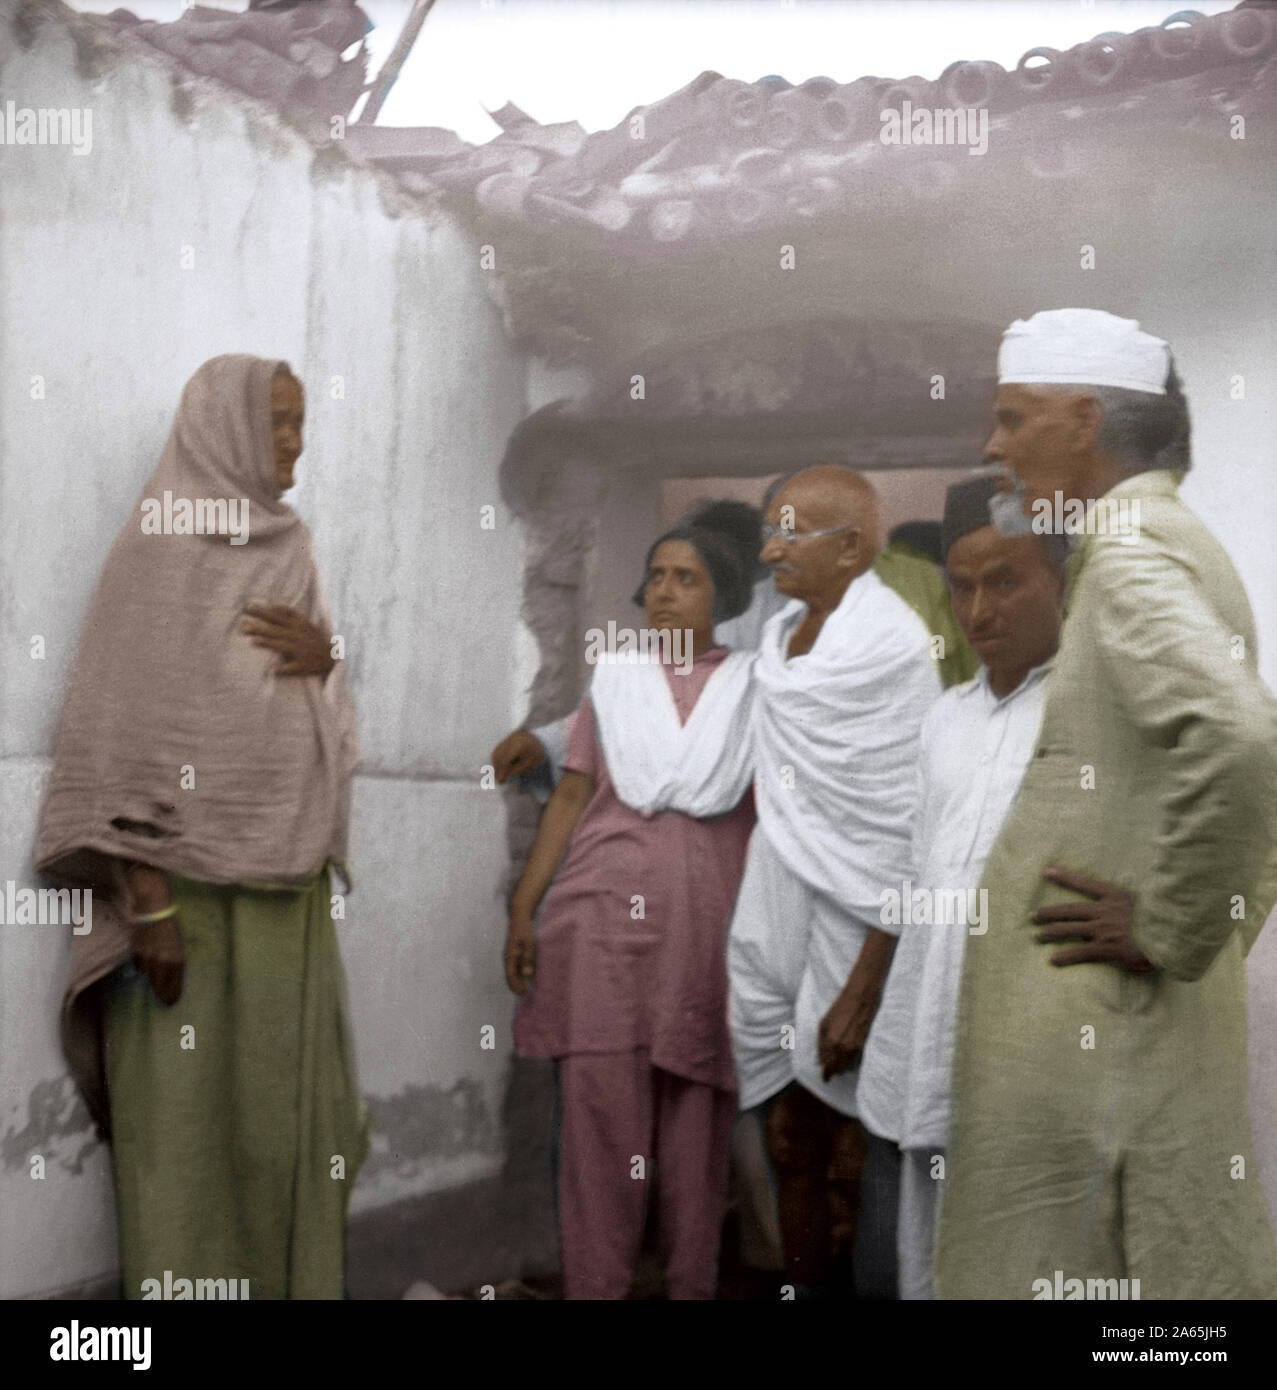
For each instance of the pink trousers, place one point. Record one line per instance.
(623, 1122)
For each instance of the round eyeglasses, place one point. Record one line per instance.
(789, 535)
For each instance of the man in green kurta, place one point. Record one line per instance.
(1101, 1121)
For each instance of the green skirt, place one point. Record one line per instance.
(237, 1123)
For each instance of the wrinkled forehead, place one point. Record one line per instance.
(793, 495)
(813, 507)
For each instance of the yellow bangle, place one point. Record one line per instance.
(169, 911)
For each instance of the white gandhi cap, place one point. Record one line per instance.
(1084, 347)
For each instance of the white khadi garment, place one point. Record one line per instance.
(835, 740)
(974, 750)
(701, 768)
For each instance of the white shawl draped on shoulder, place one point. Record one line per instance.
(835, 741)
(701, 768)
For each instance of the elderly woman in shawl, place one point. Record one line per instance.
(626, 962)
(201, 785)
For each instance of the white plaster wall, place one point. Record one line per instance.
(327, 266)
(61, 1229)
(545, 384)
(628, 521)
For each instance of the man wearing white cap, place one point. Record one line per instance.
(1101, 1127)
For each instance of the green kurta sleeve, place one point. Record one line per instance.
(920, 582)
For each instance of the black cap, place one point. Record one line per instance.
(966, 509)
(922, 536)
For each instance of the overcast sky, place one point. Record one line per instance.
(593, 60)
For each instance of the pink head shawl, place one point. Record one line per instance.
(178, 745)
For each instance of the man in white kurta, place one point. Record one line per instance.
(976, 741)
(844, 676)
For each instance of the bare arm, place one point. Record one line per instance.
(157, 947)
(845, 1027)
(558, 821)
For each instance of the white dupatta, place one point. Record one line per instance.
(701, 768)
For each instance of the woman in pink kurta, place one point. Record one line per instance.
(608, 981)
(627, 969)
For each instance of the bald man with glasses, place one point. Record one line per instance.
(844, 677)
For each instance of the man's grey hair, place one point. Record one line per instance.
(1056, 550)
(1142, 431)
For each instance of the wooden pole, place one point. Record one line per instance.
(379, 88)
